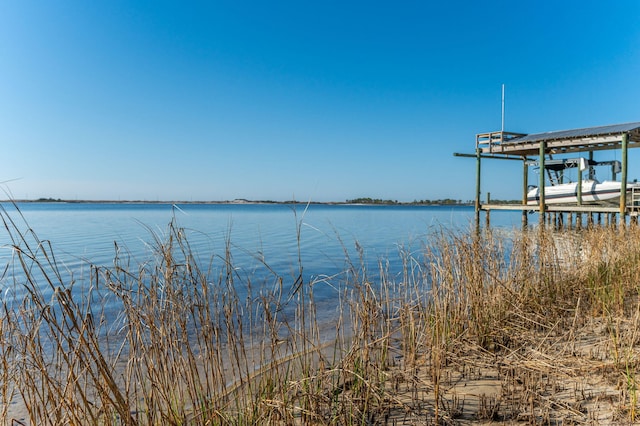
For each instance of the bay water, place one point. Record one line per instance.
(262, 238)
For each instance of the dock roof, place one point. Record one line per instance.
(563, 141)
(614, 129)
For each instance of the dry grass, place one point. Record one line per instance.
(528, 328)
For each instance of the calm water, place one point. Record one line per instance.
(83, 234)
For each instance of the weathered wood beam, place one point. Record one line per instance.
(532, 149)
(495, 157)
(552, 208)
(607, 140)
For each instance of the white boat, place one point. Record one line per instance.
(592, 192)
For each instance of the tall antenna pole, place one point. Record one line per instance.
(502, 128)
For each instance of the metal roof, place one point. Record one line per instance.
(614, 129)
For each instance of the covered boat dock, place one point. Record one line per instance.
(539, 149)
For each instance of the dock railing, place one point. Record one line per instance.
(633, 202)
(491, 141)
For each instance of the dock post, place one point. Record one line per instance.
(488, 212)
(525, 187)
(623, 179)
(579, 186)
(569, 220)
(478, 159)
(543, 207)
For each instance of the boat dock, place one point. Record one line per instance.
(549, 152)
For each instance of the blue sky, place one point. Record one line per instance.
(321, 101)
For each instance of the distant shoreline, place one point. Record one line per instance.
(240, 202)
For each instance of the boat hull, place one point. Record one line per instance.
(592, 192)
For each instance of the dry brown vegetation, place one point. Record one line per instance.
(519, 327)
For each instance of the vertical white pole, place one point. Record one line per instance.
(502, 128)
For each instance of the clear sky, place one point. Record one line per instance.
(280, 100)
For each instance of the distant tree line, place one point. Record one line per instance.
(367, 200)
(438, 202)
(445, 201)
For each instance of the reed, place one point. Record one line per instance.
(496, 326)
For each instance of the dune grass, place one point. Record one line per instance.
(533, 327)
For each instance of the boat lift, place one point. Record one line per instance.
(536, 150)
